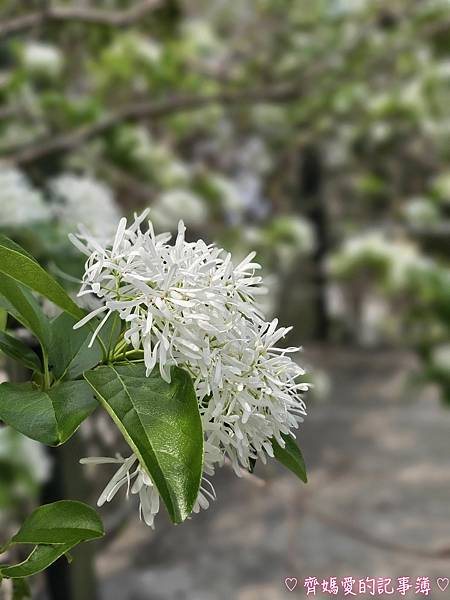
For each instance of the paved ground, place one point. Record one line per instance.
(378, 502)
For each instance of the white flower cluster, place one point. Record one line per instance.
(229, 195)
(397, 257)
(294, 237)
(39, 57)
(154, 157)
(20, 203)
(442, 187)
(75, 200)
(30, 468)
(421, 212)
(174, 204)
(22, 452)
(201, 37)
(86, 201)
(441, 357)
(133, 45)
(186, 304)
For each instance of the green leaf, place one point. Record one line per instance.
(23, 306)
(69, 353)
(50, 416)
(161, 423)
(3, 319)
(63, 522)
(38, 560)
(290, 456)
(21, 266)
(20, 352)
(21, 589)
(54, 529)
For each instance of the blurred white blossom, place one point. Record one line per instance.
(321, 385)
(375, 313)
(229, 196)
(394, 258)
(442, 187)
(442, 69)
(298, 232)
(441, 357)
(136, 45)
(412, 94)
(86, 201)
(39, 57)
(421, 211)
(149, 50)
(155, 158)
(24, 452)
(178, 204)
(20, 203)
(200, 37)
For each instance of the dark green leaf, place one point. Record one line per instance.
(54, 529)
(63, 522)
(40, 558)
(21, 266)
(22, 305)
(290, 456)
(3, 319)
(161, 423)
(69, 354)
(50, 416)
(19, 351)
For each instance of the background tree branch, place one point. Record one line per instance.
(59, 14)
(68, 141)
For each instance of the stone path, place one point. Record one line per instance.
(377, 504)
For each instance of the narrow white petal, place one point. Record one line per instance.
(90, 316)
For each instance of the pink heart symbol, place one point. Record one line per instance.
(291, 583)
(442, 583)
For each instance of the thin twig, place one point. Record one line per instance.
(62, 14)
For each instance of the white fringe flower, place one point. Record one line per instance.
(20, 203)
(39, 57)
(83, 199)
(171, 205)
(186, 304)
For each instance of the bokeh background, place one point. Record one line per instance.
(318, 134)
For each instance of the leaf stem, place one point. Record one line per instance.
(5, 547)
(46, 370)
(123, 354)
(120, 347)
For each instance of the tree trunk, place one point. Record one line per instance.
(311, 192)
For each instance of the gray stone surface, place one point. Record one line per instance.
(377, 504)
